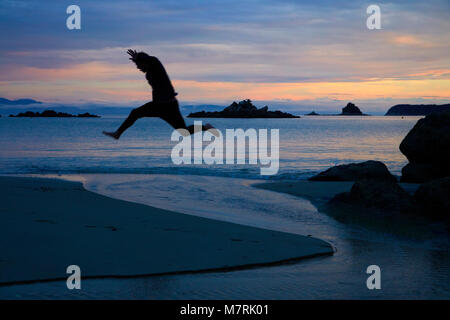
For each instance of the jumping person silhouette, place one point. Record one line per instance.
(164, 104)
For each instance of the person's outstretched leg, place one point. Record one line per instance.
(147, 110)
(168, 111)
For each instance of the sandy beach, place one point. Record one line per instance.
(54, 223)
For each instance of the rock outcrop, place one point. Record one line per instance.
(434, 198)
(386, 196)
(416, 110)
(351, 110)
(243, 109)
(427, 147)
(355, 171)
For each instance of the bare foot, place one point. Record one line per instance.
(113, 135)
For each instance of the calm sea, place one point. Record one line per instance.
(307, 145)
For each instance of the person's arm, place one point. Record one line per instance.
(141, 59)
(133, 55)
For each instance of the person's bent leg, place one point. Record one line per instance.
(142, 111)
(170, 112)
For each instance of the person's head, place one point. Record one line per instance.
(142, 61)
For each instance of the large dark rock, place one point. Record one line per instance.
(419, 172)
(351, 110)
(243, 109)
(386, 196)
(434, 198)
(355, 171)
(427, 147)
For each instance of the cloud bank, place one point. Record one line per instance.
(217, 51)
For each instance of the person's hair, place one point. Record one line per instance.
(142, 61)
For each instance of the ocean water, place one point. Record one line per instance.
(138, 168)
(307, 145)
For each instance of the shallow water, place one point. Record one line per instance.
(307, 145)
(411, 267)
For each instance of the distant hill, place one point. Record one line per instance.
(243, 109)
(7, 102)
(416, 109)
(52, 114)
(114, 111)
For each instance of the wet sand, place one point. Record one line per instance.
(49, 224)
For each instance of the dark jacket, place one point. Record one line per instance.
(159, 80)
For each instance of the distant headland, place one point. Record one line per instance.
(416, 109)
(243, 109)
(7, 102)
(52, 114)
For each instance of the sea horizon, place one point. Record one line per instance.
(307, 145)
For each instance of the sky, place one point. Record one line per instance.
(296, 54)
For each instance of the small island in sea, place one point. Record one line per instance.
(351, 110)
(416, 109)
(243, 109)
(52, 114)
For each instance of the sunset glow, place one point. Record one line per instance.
(308, 54)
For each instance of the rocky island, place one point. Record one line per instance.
(243, 109)
(416, 110)
(52, 114)
(351, 110)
